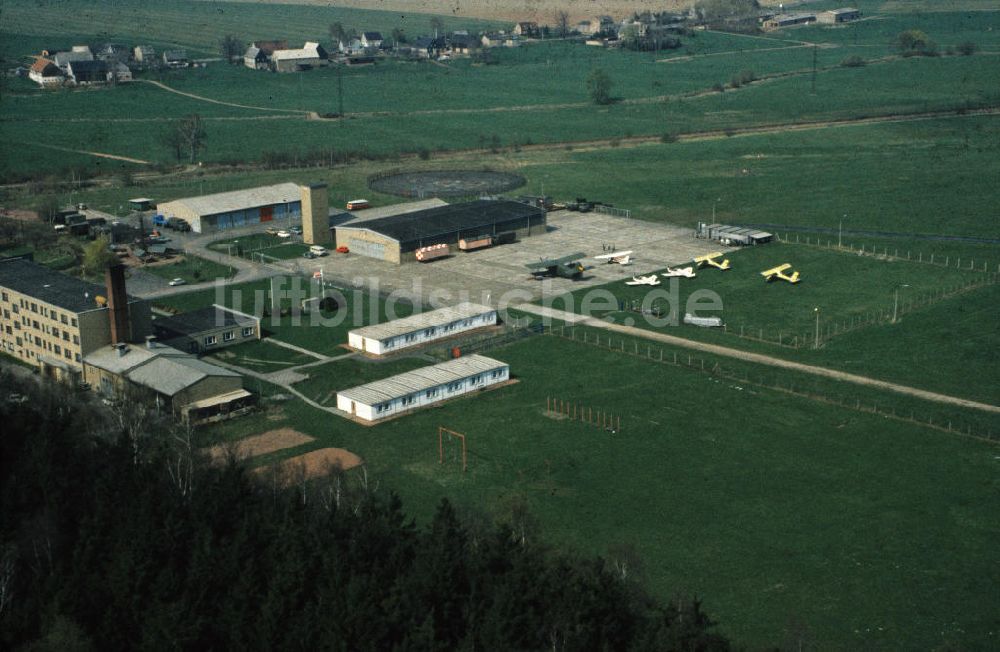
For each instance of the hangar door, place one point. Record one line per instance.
(365, 248)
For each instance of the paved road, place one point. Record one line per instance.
(758, 358)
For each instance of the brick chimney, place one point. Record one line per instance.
(114, 279)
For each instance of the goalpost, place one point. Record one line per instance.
(442, 431)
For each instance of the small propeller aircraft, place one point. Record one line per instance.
(620, 257)
(779, 273)
(565, 267)
(686, 272)
(644, 280)
(710, 259)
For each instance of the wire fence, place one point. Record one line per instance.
(784, 382)
(885, 252)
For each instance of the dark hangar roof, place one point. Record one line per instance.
(49, 287)
(201, 320)
(444, 220)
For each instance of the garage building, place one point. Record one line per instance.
(419, 388)
(396, 238)
(421, 328)
(733, 235)
(280, 203)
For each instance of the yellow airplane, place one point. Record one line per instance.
(710, 259)
(779, 272)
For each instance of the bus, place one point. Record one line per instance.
(358, 204)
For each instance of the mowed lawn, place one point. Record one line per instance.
(783, 514)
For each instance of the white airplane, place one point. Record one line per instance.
(644, 280)
(686, 272)
(620, 257)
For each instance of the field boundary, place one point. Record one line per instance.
(715, 369)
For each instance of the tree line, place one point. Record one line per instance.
(119, 536)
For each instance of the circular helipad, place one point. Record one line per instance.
(445, 183)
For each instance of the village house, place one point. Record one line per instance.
(176, 59)
(144, 54)
(45, 73)
(78, 53)
(258, 54)
(836, 16)
(371, 39)
(527, 28)
(309, 56)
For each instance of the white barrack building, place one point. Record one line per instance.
(421, 328)
(422, 387)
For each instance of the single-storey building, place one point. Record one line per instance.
(789, 20)
(45, 73)
(175, 379)
(396, 238)
(176, 59)
(78, 53)
(419, 388)
(311, 55)
(733, 235)
(421, 328)
(842, 15)
(206, 329)
(499, 40)
(225, 210)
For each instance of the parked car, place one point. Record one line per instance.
(284, 234)
(296, 230)
(309, 255)
(177, 281)
(318, 250)
(271, 230)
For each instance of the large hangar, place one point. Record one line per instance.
(396, 238)
(279, 203)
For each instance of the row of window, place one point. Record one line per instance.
(433, 392)
(45, 328)
(431, 332)
(228, 336)
(35, 308)
(48, 346)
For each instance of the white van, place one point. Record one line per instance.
(318, 250)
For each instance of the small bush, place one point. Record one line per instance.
(719, 87)
(742, 77)
(423, 153)
(967, 48)
(853, 61)
(668, 138)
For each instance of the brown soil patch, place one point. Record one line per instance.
(315, 463)
(262, 444)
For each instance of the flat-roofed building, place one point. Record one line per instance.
(206, 329)
(788, 20)
(842, 15)
(279, 203)
(53, 320)
(421, 328)
(396, 238)
(419, 388)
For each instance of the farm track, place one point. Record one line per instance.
(222, 102)
(759, 358)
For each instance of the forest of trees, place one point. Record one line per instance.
(113, 540)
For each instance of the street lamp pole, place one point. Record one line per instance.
(840, 232)
(895, 302)
(816, 345)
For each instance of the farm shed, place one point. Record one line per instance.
(733, 235)
(225, 210)
(396, 238)
(843, 15)
(207, 329)
(311, 55)
(421, 328)
(140, 204)
(789, 20)
(422, 387)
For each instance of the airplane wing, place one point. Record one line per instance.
(613, 256)
(553, 262)
(776, 270)
(707, 257)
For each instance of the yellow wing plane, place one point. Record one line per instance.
(710, 259)
(779, 273)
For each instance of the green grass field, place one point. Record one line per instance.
(257, 244)
(780, 512)
(192, 269)
(262, 356)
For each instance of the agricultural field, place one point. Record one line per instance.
(806, 520)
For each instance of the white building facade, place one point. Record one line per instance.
(422, 328)
(420, 388)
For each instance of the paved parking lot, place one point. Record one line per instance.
(494, 274)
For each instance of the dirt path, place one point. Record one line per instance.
(759, 358)
(208, 99)
(113, 157)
